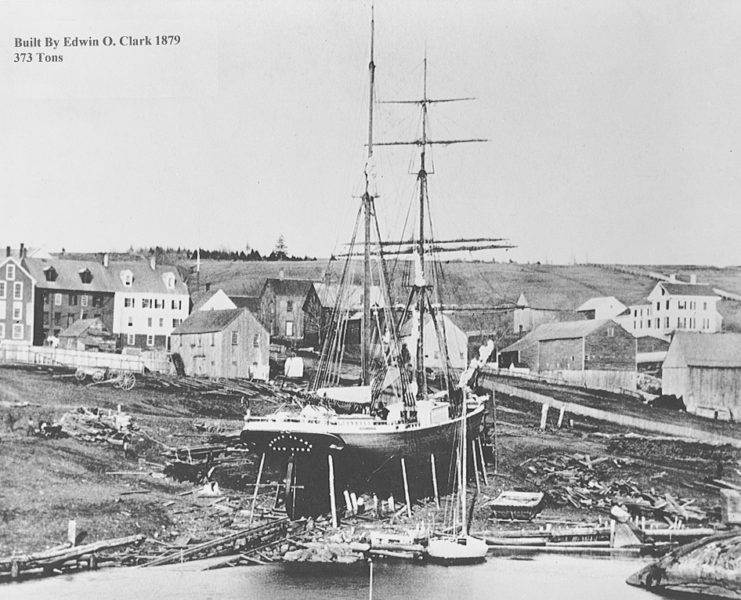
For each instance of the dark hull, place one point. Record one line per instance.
(364, 462)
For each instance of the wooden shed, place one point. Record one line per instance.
(222, 343)
(704, 369)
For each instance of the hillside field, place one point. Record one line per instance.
(560, 287)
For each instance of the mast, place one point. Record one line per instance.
(367, 209)
(421, 293)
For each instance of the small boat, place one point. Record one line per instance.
(710, 567)
(516, 506)
(457, 550)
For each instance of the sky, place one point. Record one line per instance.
(613, 127)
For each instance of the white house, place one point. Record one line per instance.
(457, 342)
(605, 307)
(679, 306)
(150, 300)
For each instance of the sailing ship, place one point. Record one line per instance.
(393, 427)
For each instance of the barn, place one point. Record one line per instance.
(704, 369)
(227, 343)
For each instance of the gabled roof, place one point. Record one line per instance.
(604, 303)
(289, 287)
(687, 289)
(406, 328)
(689, 349)
(353, 295)
(560, 330)
(251, 303)
(207, 321)
(68, 275)
(18, 264)
(81, 326)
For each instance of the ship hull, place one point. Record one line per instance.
(363, 461)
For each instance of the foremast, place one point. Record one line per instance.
(419, 295)
(368, 201)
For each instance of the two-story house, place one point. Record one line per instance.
(281, 307)
(150, 301)
(677, 306)
(16, 302)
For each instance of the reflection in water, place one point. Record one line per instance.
(501, 577)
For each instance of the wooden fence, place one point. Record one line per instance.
(45, 355)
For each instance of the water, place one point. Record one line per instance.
(549, 576)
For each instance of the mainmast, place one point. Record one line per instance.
(420, 288)
(367, 210)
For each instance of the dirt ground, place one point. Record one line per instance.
(46, 482)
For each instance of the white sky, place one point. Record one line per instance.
(614, 126)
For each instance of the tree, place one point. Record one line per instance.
(280, 252)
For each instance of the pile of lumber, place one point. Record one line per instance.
(65, 557)
(95, 424)
(586, 482)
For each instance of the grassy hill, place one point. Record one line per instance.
(562, 287)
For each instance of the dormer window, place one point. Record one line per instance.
(127, 278)
(86, 276)
(169, 279)
(50, 273)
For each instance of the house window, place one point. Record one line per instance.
(162, 322)
(130, 339)
(10, 272)
(658, 323)
(149, 321)
(150, 339)
(2, 290)
(610, 333)
(157, 303)
(57, 299)
(176, 322)
(667, 304)
(17, 311)
(235, 338)
(17, 331)
(289, 306)
(289, 328)
(666, 322)
(169, 280)
(97, 300)
(145, 302)
(18, 290)
(72, 299)
(256, 341)
(84, 300)
(172, 304)
(2, 331)
(704, 306)
(128, 302)
(213, 339)
(658, 306)
(57, 319)
(130, 321)
(50, 273)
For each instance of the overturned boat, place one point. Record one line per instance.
(710, 567)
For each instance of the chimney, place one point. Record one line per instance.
(7, 251)
(673, 278)
(281, 274)
(153, 261)
(693, 278)
(105, 260)
(20, 252)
